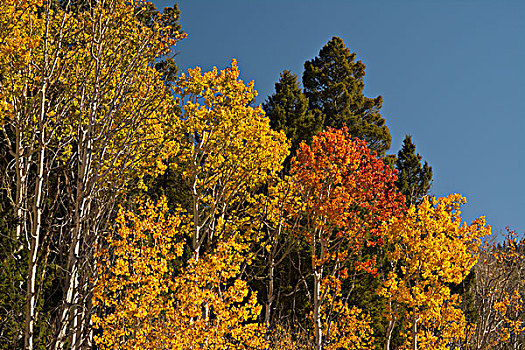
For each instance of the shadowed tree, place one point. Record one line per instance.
(413, 180)
(287, 109)
(499, 295)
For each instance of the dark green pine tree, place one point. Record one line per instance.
(287, 109)
(334, 83)
(413, 180)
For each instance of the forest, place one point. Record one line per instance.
(142, 207)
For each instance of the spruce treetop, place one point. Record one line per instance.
(413, 180)
(333, 83)
(287, 109)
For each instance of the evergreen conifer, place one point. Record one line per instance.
(334, 83)
(413, 180)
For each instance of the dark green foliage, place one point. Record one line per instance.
(287, 110)
(169, 70)
(172, 185)
(362, 288)
(171, 15)
(12, 282)
(14, 257)
(333, 96)
(365, 297)
(334, 83)
(466, 290)
(13, 261)
(291, 275)
(390, 160)
(413, 180)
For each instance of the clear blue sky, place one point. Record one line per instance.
(451, 73)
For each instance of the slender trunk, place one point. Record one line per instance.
(414, 331)
(317, 310)
(68, 315)
(84, 328)
(78, 313)
(197, 234)
(75, 305)
(388, 336)
(82, 203)
(271, 273)
(318, 274)
(20, 182)
(270, 298)
(390, 326)
(35, 235)
(59, 343)
(196, 225)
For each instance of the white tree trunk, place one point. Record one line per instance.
(317, 311)
(35, 232)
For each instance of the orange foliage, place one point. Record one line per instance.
(344, 194)
(347, 193)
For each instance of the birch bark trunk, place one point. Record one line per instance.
(318, 275)
(317, 311)
(35, 235)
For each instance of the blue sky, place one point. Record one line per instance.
(451, 73)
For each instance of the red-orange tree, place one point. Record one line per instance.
(345, 193)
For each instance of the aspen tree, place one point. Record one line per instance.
(346, 193)
(499, 297)
(84, 113)
(431, 247)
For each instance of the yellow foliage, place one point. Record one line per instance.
(227, 152)
(431, 247)
(163, 293)
(86, 79)
(151, 299)
(351, 329)
(507, 308)
(224, 140)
